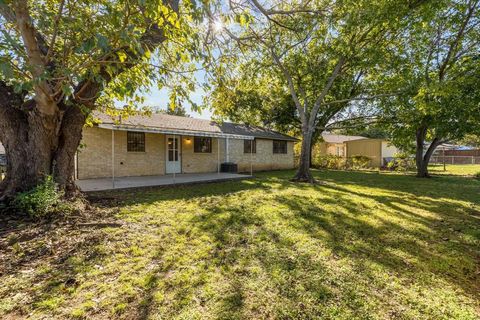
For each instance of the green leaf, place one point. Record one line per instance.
(122, 56)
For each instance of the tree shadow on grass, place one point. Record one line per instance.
(264, 272)
(433, 248)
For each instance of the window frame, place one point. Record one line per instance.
(283, 149)
(136, 141)
(209, 148)
(247, 148)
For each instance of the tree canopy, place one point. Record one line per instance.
(437, 70)
(322, 54)
(59, 60)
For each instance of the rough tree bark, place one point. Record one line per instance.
(41, 135)
(303, 173)
(422, 160)
(36, 144)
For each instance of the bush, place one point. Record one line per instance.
(341, 163)
(329, 162)
(42, 201)
(360, 162)
(477, 175)
(401, 162)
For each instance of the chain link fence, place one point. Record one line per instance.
(440, 159)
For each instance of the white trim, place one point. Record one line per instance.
(227, 150)
(113, 159)
(175, 148)
(173, 131)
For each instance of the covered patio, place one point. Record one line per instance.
(102, 184)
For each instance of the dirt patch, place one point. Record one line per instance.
(25, 242)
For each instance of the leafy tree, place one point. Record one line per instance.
(59, 60)
(320, 53)
(438, 69)
(472, 140)
(176, 111)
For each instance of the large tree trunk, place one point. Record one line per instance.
(37, 145)
(423, 159)
(34, 153)
(303, 173)
(69, 139)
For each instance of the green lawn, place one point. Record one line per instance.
(455, 169)
(361, 246)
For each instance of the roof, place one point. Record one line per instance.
(339, 138)
(164, 123)
(3, 160)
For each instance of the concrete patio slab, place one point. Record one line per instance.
(150, 181)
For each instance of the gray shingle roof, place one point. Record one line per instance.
(3, 160)
(165, 122)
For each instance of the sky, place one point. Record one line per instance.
(159, 97)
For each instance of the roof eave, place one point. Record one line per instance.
(123, 127)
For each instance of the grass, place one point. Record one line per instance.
(455, 169)
(362, 245)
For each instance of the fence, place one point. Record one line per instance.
(440, 159)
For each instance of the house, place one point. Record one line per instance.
(335, 144)
(163, 144)
(379, 151)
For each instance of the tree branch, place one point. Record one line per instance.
(36, 61)
(55, 31)
(361, 98)
(454, 44)
(331, 79)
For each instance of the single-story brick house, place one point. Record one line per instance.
(165, 144)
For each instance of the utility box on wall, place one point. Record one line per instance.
(229, 167)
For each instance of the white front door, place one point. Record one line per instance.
(173, 163)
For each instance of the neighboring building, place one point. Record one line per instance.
(380, 151)
(2, 149)
(164, 144)
(335, 144)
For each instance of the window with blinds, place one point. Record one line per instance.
(135, 141)
(280, 146)
(249, 146)
(202, 145)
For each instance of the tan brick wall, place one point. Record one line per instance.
(193, 162)
(95, 157)
(264, 159)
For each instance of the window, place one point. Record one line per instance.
(249, 146)
(202, 145)
(340, 151)
(279, 146)
(135, 141)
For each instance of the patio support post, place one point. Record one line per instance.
(113, 158)
(218, 155)
(174, 156)
(227, 159)
(444, 165)
(251, 157)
